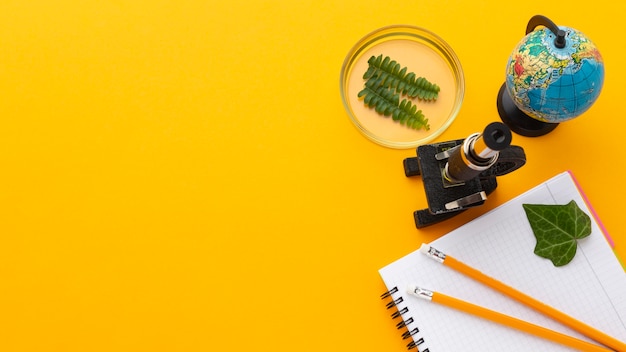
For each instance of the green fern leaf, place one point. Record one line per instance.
(394, 76)
(387, 103)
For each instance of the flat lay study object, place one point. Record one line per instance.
(511, 292)
(500, 243)
(506, 320)
(554, 74)
(460, 174)
(419, 51)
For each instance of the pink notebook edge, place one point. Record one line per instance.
(595, 216)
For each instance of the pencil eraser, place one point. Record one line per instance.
(424, 248)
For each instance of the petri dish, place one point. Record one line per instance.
(420, 51)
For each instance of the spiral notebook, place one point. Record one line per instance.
(591, 288)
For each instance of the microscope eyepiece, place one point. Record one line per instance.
(497, 136)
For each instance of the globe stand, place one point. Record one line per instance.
(518, 121)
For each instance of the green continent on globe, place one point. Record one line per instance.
(554, 84)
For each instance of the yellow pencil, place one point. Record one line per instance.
(506, 320)
(557, 315)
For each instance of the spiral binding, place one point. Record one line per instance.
(405, 323)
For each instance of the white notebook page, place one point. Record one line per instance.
(591, 288)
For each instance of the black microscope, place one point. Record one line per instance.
(460, 174)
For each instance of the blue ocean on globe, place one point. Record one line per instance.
(554, 84)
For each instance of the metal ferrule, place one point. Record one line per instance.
(433, 253)
(421, 293)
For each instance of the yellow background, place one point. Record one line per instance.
(182, 176)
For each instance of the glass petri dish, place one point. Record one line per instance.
(423, 53)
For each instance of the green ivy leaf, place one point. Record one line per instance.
(557, 228)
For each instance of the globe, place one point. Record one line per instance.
(553, 75)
